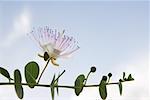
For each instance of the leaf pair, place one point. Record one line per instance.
(31, 74)
(17, 81)
(81, 80)
(130, 78)
(122, 80)
(54, 84)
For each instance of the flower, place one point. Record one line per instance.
(53, 42)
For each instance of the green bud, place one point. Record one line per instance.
(93, 69)
(109, 75)
(104, 78)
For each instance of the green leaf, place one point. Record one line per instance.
(52, 92)
(53, 87)
(5, 73)
(79, 83)
(130, 77)
(125, 79)
(18, 86)
(103, 89)
(123, 75)
(57, 89)
(56, 82)
(120, 87)
(31, 73)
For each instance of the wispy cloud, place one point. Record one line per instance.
(20, 27)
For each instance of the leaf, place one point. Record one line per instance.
(46, 56)
(31, 73)
(52, 92)
(56, 82)
(103, 89)
(53, 87)
(79, 83)
(5, 73)
(123, 75)
(57, 89)
(125, 79)
(120, 87)
(130, 77)
(18, 85)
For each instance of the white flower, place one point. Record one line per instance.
(56, 44)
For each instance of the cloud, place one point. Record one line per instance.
(21, 26)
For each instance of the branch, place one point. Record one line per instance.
(43, 71)
(60, 86)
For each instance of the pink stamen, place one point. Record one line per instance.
(51, 38)
(70, 52)
(65, 44)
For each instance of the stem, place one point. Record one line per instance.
(108, 80)
(87, 77)
(60, 86)
(43, 71)
(59, 76)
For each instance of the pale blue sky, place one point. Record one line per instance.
(112, 35)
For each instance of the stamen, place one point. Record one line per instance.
(51, 40)
(53, 61)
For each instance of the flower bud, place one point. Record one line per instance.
(109, 75)
(104, 78)
(93, 69)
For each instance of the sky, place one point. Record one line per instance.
(112, 35)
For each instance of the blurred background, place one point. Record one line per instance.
(112, 35)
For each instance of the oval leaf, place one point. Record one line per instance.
(79, 83)
(31, 73)
(18, 86)
(120, 87)
(5, 73)
(103, 89)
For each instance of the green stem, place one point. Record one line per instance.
(108, 80)
(87, 78)
(43, 71)
(59, 76)
(60, 86)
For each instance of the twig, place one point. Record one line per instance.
(43, 71)
(60, 86)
